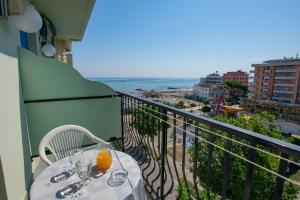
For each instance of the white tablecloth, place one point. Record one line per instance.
(43, 189)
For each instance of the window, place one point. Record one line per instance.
(3, 8)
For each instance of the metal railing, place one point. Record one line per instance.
(169, 144)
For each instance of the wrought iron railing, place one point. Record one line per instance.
(179, 152)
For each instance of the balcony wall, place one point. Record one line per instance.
(56, 94)
(14, 146)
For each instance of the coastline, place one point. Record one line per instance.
(138, 84)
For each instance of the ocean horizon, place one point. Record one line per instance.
(130, 84)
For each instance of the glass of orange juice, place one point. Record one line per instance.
(104, 159)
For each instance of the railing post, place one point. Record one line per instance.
(248, 182)
(279, 181)
(209, 163)
(195, 166)
(163, 152)
(184, 156)
(122, 123)
(227, 161)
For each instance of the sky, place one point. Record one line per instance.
(185, 38)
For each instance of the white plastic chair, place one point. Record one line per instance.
(63, 139)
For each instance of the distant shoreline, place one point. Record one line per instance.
(126, 84)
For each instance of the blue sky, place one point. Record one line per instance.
(185, 38)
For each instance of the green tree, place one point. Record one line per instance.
(206, 102)
(143, 120)
(205, 109)
(193, 105)
(185, 191)
(263, 183)
(180, 105)
(235, 91)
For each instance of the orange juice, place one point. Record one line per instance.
(104, 160)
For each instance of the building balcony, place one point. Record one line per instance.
(284, 84)
(285, 77)
(265, 83)
(166, 143)
(284, 91)
(285, 70)
(283, 99)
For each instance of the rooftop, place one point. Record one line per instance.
(279, 62)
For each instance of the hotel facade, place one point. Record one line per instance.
(236, 76)
(277, 80)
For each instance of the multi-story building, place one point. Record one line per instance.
(277, 80)
(251, 83)
(201, 93)
(207, 87)
(236, 76)
(213, 78)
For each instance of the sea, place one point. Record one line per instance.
(131, 84)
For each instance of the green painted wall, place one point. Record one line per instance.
(44, 78)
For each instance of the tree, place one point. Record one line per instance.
(180, 105)
(193, 105)
(205, 109)
(206, 102)
(143, 120)
(263, 183)
(235, 90)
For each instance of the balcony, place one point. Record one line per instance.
(176, 150)
(283, 99)
(265, 83)
(284, 91)
(284, 84)
(285, 70)
(285, 77)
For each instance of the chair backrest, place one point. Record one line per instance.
(63, 139)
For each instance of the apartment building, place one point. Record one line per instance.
(277, 80)
(251, 83)
(207, 87)
(236, 76)
(213, 78)
(201, 93)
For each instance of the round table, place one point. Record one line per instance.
(44, 188)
